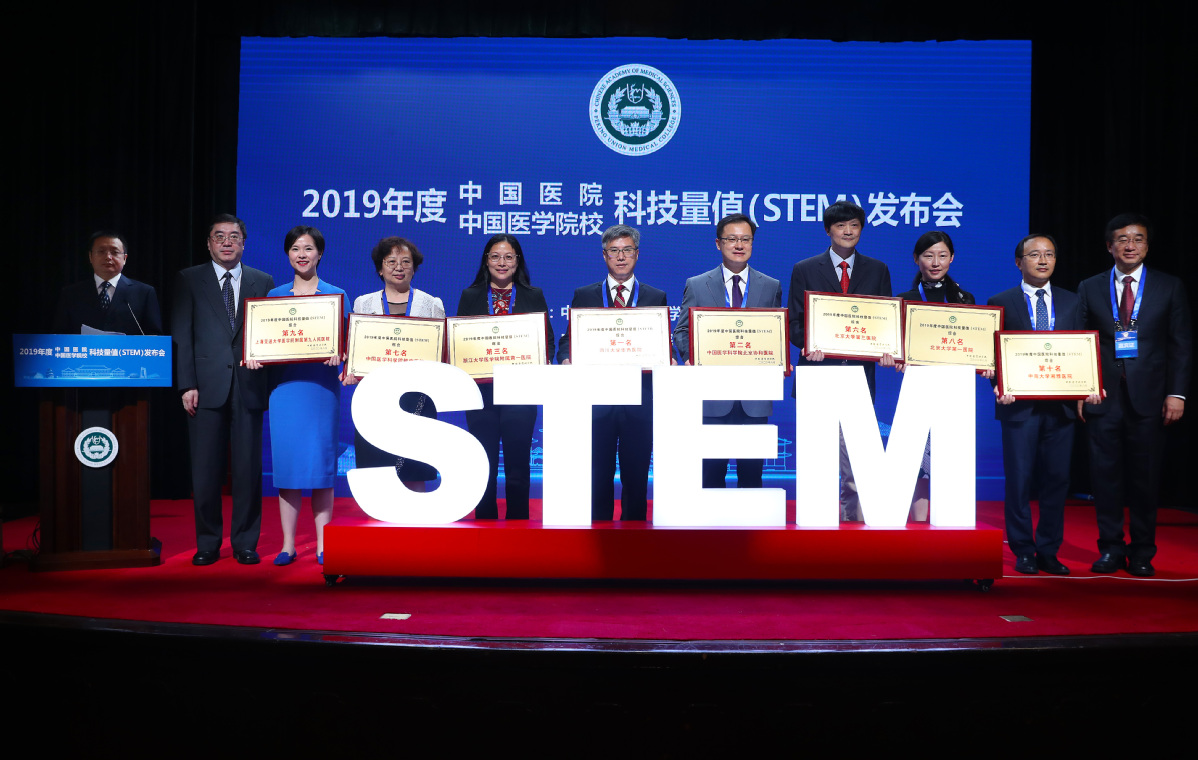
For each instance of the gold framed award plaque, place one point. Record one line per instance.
(722, 337)
(1048, 364)
(478, 344)
(943, 335)
(637, 336)
(854, 326)
(292, 329)
(381, 340)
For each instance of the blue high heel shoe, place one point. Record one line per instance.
(283, 558)
(320, 558)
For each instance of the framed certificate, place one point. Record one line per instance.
(291, 329)
(379, 340)
(854, 327)
(477, 344)
(1050, 364)
(722, 337)
(637, 336)
(942, 335)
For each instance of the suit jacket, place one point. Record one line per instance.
(1067, 306)
(422, 304)
(871, 277)
(207, 352)
(1162, 367)
(133, 309)
(475, 302)
(953, 293)
(708, 290)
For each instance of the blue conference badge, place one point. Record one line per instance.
(91, 361)
(1127, 344)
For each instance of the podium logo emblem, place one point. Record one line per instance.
(635, 109)
(96, 447)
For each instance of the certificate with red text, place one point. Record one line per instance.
(381, 340)
(291, 329)
(942, 335)
(1048, 364)
(479, 344)
(637, 336)
(853, 326)
(723, 337)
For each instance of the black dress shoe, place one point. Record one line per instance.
(1049, 564)
(1141, 568)
(1026, 564)
(1109, 563)
(247, 557)
(205, 558)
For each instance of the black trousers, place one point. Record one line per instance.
(1037, 449)
(512, 426)
(627, 431)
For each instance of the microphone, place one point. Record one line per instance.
(130, 308)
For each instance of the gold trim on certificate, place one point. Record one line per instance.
(1049, 364)
(942, 335)
(477, 344)
(381, 340)
(637, 336)
(854, 326)
(723, 337)
(290, 329)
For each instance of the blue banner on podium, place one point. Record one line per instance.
(91, 361)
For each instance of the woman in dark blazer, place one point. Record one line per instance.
(502, 287)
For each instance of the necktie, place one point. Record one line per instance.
(1126, 303)
(227, 291)
(620, 295)
(844, 277)
(738, 297)
(1041, 311)
(105, 299)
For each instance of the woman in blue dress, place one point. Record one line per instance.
(305, 408)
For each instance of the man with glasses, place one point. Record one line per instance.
(223, 399)
(1037, 436)
(737, 285)
(839, 269)
(108, 300)
(1143, 323)
(626, 430)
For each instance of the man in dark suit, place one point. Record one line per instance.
(737, 285)
(839, 269)
(108, 300)
(626, 429)
(1037, 436)
(1143, 323)
(225, 400)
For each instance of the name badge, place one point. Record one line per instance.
(1127, 345)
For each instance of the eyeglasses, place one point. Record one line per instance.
(1040, 255)
(613, 252)
(1137, 240)
(106, 254)
(506, 258)
(232, 237)
(735, 240)
(397, 263)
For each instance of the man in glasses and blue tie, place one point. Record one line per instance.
(224, 400)
(737, 285)
(1037, 436)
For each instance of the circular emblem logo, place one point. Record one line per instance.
(397, 331)
(1047, 346)
(952, 319)
(635, 109)
(495, 329)
(291, 311)
(740, 323)
(854, 309)
(619, 320)
(96, 447)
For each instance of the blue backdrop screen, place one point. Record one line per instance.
(448, 141)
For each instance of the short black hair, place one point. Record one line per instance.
(91, 241)
(227, 219)
(298, 232)
(384, 247)
(734, 219)
(1126, 220)
(1033, 236)
(931, 238)
(843, 211)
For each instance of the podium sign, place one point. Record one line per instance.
(91, 361)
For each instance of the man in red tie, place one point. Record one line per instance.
(623, 430)
(1143, 321)
(839, 269)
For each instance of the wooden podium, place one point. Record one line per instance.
(94, 517)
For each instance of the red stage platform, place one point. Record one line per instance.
(638, 550)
